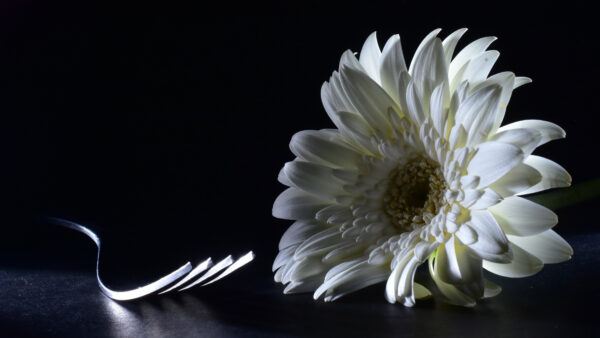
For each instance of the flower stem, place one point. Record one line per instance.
(566, 197)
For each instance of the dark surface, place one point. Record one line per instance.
(560, 301)
(166, 126)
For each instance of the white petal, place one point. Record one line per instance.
(334, 214)
(454, 295)
(305, 285)
(416, 111)
(367, 277)
(493, 160)
(421, 292)
(392, 65)
(422, 45)
(284, 256)
(491, 242)
(428, 68)
(357, 129)
(487, 199)
(458, 136)
(306, 268)
(553, 175)
(436, 108)
(522, 265)
(299, 232)
(369, 57)
(319, 147)
(342, 273)
(349, 60)
(470, 51)
(424, 249)
(466, 234)
(491, 289)
(446, 263)
(450, 42)
(504, 80)
(521, 217)
(333, 97)
(369, 99)
(319, 243)
(350, 248)
(399, 287)
(526, 139)
(549, 130)
(313, 178)
(518, 180)
(548, 246)
(521, 80)
(294, 204)
(479, 67)
(478, 112)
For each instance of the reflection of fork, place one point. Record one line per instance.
(181, 279)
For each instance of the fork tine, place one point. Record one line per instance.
(195, 272)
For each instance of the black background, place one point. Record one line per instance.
(164, 127)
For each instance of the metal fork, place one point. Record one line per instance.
(181, 279)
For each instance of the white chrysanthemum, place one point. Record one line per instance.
(418, 169)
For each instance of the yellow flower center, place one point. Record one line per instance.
(415, 194)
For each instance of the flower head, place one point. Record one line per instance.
(419, 169)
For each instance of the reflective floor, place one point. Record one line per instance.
(559, 301)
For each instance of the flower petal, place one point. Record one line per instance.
(369, 99)
(479, 67)
(428, 68)
(491, 242)
(493, 160)
(521, 80)
(322, 148)
(452, 293)
(450, 42)
(320, 243)
(548, 246)
(284, 256)
(446, 263)
(478, 112)
(518, 180)
(416, 111)
(357, 273)
(298, 232)
(432, 35)
(523, 264)
(553, 175)
(392, 65)
(548, 130)
(306, 268)
(369, 57)
(399, 287)
(521, 217)
(466, 234)
(472, 50)
(488, 198)
(369, 276)
(313, 178)
(436, 108)
(295, 204)
(524, 138)
(491, 289)
(306, 285)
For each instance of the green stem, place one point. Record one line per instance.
(566, 197)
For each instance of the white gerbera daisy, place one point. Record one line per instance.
(417, 169)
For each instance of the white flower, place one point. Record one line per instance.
(418, 169)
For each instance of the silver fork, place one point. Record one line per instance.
(183, 278)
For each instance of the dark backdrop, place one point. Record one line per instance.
(166, 126)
